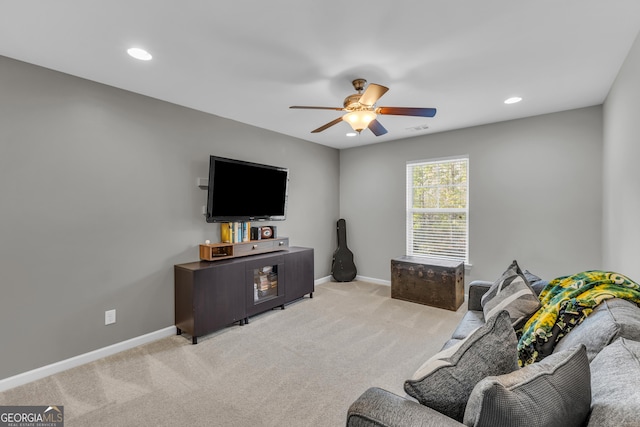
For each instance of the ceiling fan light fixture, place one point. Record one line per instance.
(361, 110)
(359, 120)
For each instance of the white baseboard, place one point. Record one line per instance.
(374, 280)
(328, 279)
(322, 280)
(63, 365)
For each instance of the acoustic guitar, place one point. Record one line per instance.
(343, 268)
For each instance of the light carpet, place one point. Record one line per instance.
(302, 366)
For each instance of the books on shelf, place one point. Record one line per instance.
(235, 232)
(246, 229)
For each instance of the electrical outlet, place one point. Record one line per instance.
(109, 317)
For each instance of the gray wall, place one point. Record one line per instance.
(99, 201)
(621, 229)
(535, 194)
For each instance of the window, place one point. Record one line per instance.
(437, 208)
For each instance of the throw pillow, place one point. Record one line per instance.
(610, 319)
(615, 375)
(511, 292)
(445, 381)
(536, 283)
(553, 392)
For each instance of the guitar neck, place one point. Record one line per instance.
(342, 233)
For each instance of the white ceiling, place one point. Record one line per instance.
(250, 60)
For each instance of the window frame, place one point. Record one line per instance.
(410, 210)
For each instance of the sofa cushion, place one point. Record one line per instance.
(615, 375)
(450, 343)
(511, 292)
(445, 381)
(611, 319)
(471, 321)
(553, 392)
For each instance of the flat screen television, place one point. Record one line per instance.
(240, 191)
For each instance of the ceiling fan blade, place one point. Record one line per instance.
(372, 93)
(404, 111)
(316, 108)
(328, 125)
(376, 127)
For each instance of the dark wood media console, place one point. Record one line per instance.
(212, 295)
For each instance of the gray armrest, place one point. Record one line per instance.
(378, 407)
(477, 288)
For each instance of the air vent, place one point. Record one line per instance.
(418, 128)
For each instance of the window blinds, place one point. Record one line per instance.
(437, 209)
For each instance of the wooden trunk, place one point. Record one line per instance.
(429, 281)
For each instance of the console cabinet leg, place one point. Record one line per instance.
(178, 331)
(311, 295)
(194, 340)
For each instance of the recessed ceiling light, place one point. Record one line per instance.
(140, 54)
(352, 134)
(512, 100)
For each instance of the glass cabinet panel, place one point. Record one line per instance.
(265, 283)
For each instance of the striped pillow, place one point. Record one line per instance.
(511, 292)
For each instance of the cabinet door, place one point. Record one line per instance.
(265, 281)
(218, 297)
(298, 264)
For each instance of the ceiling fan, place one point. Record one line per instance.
(362, 112)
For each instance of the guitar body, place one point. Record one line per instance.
(343, 268)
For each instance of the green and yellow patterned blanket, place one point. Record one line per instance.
(567, 301)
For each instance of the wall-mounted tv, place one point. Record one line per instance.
(241, 191)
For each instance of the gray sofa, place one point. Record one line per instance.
(610, 335)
